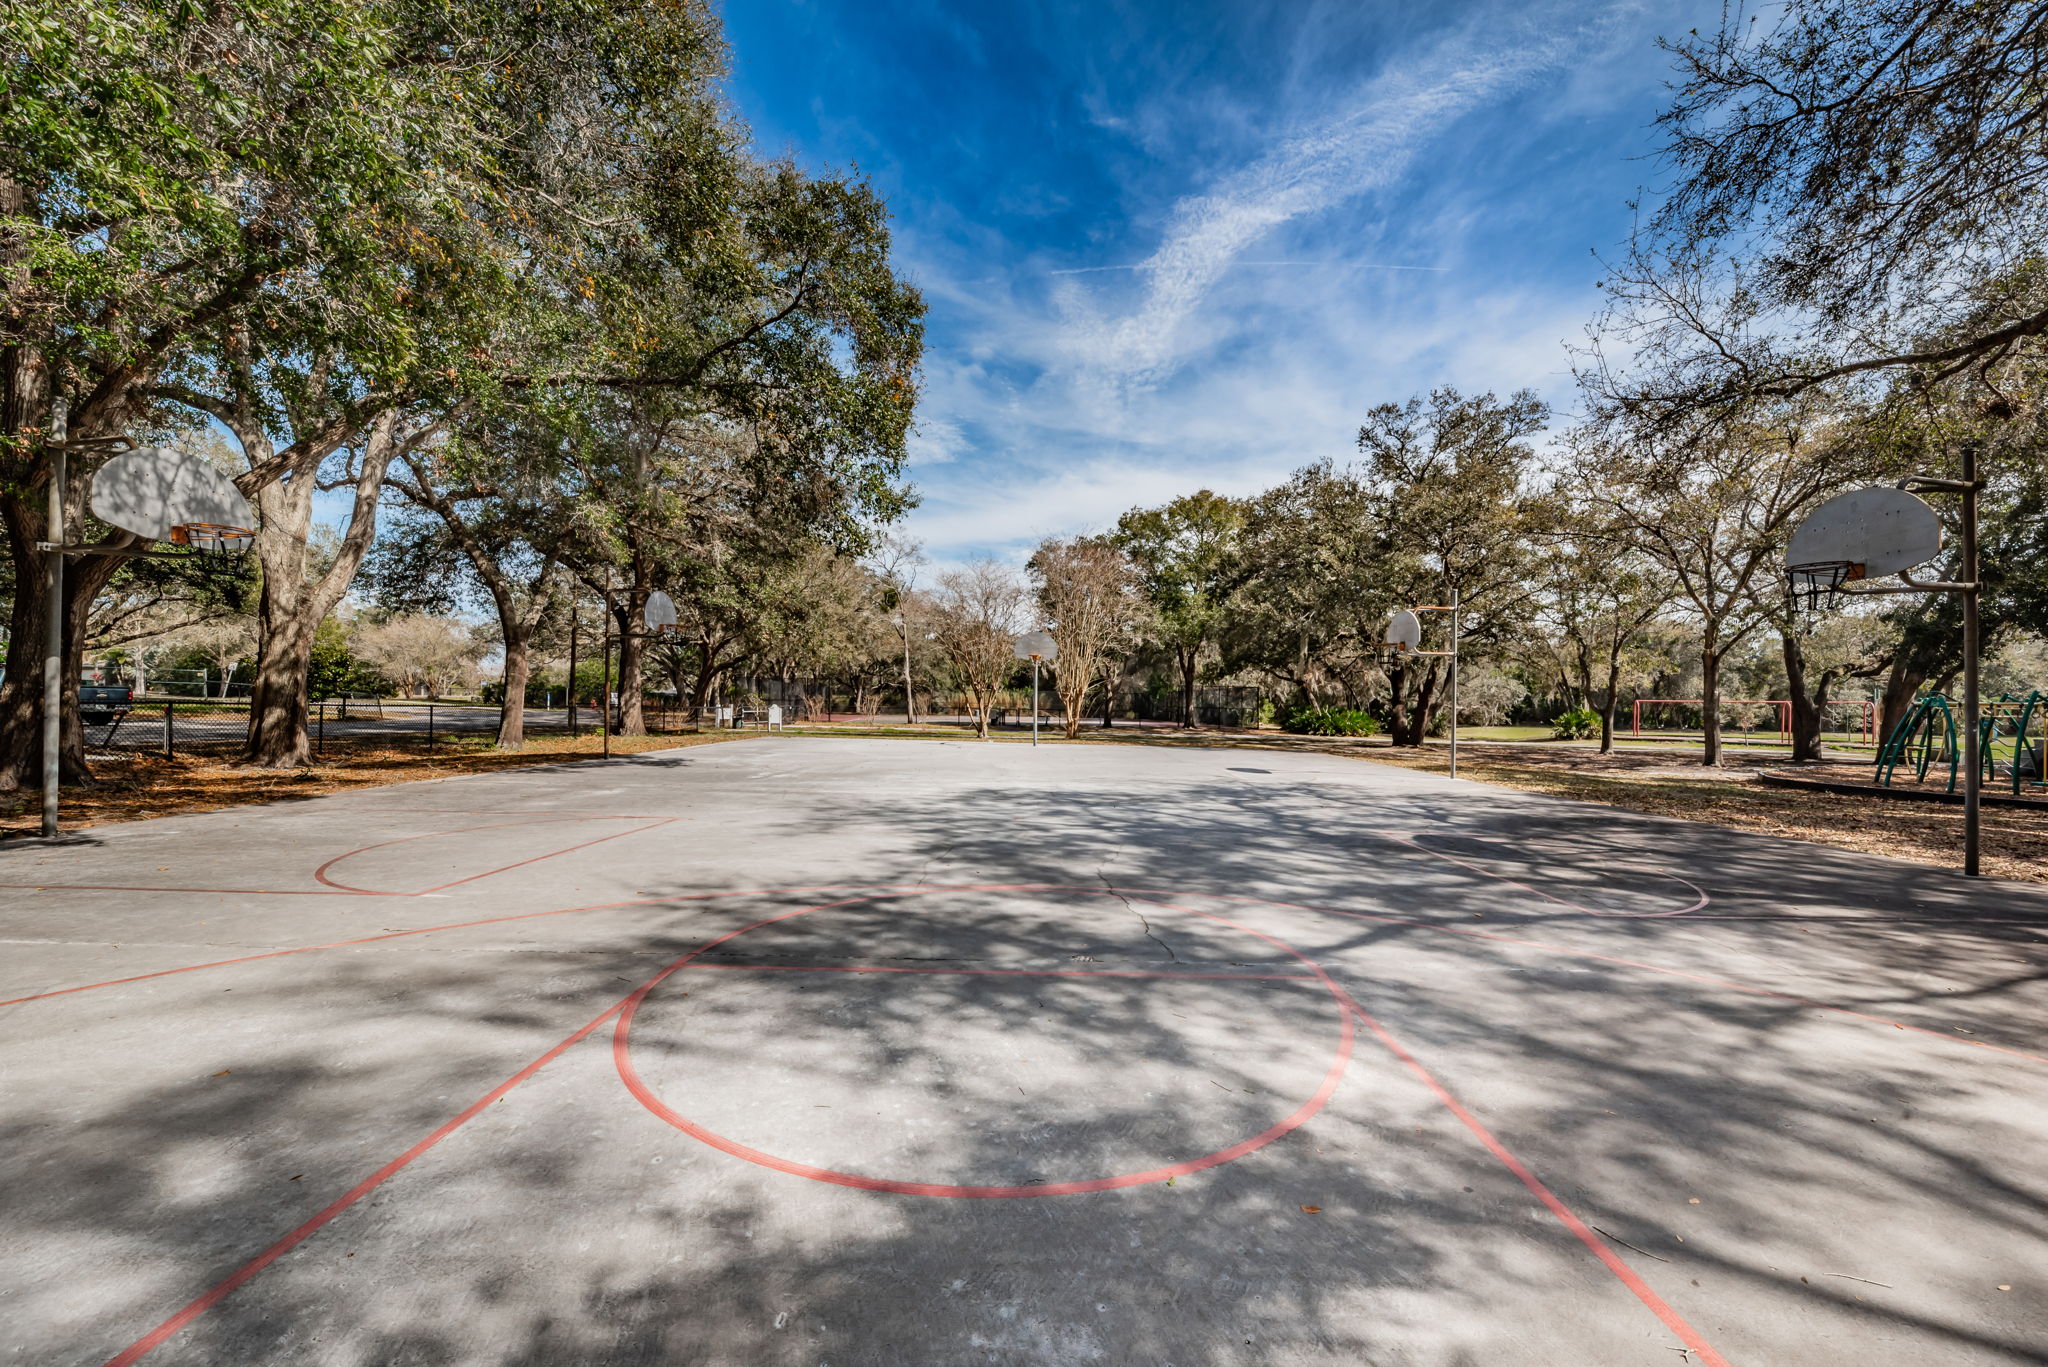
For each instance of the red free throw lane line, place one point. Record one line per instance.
(1627, 1275)
(622, 1059)
(226, 1287)
(222, 1289)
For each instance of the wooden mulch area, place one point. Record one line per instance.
(2015, 843)
(144, 785)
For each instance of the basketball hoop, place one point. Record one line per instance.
(1816, 580)
(1861, 534)
(217, 547)
(175, 497)
(1404, 636)
(660, 614)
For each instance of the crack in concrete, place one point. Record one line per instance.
(1132, 908)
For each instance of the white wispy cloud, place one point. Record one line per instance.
(1370, 145)
(1057, 396)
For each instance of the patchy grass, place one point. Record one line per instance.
(146, 785)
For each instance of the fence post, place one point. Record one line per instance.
(430, 726)
(170, 711)
(320, 736)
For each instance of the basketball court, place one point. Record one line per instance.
(806, 1051)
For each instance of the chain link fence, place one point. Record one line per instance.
(220, 726)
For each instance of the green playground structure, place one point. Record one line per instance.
(2012, 741)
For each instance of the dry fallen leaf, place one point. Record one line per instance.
(1312, 1210)
(224, 1072)
(2005, 1288)
(1692, 1200)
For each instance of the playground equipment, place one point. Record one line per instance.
(2012, 742)
(1869, 533)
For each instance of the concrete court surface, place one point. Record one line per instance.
(833, 1052)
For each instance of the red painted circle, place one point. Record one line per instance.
(622, 1038)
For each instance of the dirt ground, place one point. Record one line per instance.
(146, 785)
(2015, 842)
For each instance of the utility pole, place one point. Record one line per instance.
(575, 618)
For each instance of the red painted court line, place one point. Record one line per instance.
(199, 1305)
(997, 972)
(334, 889)
(226, 1287)
(969, 887)
(622, 1060)
(1613, 1261)
(1611, 959)
(463, 925)
(1704, 978)
(320, 874)
(1498, 878)
(225, 892)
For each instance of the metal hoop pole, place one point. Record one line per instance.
(1973, 780)
(604, 702)
(1034, 700)
(53, 654)
(1454, 683)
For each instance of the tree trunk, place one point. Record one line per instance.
(1710, 707)
(1397, 704)
(277, 698)
(632, 629)
(1610, 700)
(1190, 659)
(292, 607)
(1425, 704)
(21, 691)
(1901, 686)
(1806, 714)
(518, 669)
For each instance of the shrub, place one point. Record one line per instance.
(1330, 721)
(1581, 723)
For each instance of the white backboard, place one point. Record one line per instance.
(661, 611)
(1404, 632)
(1035, 645)
(153, 489)
(1876, 531)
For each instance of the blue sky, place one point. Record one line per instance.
(1169, 245)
